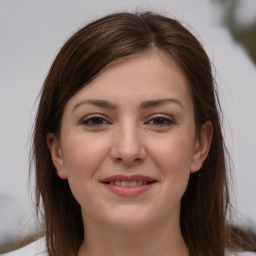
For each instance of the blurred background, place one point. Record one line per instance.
(32, 32)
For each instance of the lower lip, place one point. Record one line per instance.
(128, 191)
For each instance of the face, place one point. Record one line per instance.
(128, 143)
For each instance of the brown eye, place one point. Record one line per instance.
(161, 121)
(95, 121)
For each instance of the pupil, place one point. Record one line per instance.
(97, 121)
(159, 120)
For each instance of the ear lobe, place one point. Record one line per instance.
(202, 146)
(56, 154)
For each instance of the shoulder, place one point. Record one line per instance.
(36, 248)
(241, 254)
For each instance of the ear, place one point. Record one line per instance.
(54, 146)
(202, 146)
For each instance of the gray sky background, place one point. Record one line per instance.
(32, 32)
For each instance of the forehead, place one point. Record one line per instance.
(151, 75)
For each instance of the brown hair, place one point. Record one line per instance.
(87, 53)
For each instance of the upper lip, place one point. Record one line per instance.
(128, 178)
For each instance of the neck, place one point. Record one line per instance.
(160, 240)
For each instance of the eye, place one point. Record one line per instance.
(160, 121)
(94, 121)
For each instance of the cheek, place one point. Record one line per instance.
(174, 154)
(175, 170)
(173, 157)
(82, 156)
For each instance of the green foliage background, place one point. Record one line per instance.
(244, 34)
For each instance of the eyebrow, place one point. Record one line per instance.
(98, 103)
(159, 102)
(143, 105)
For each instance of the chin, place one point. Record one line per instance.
(130, 219)
(130, 225)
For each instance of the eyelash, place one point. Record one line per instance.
(89, 121)
(98, 121)
(167, 121)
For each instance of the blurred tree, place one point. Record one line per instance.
(14, 245)
(244, 237)
(243, 33)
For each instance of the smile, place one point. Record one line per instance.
(128, 185)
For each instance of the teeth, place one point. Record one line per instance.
(133, 184)
(139, 182)
(124, 183)
(117, 183)
(128, 183)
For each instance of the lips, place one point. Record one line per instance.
(128, 185)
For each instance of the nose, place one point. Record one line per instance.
(128, 145)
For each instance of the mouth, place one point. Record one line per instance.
(128, 185)
(125, 184)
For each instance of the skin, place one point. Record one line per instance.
(127, 136)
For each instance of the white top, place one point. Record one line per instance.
(38, 248)
(241, 254)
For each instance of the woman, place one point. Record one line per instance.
(128, 146)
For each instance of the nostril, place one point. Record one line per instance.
(128, 160)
